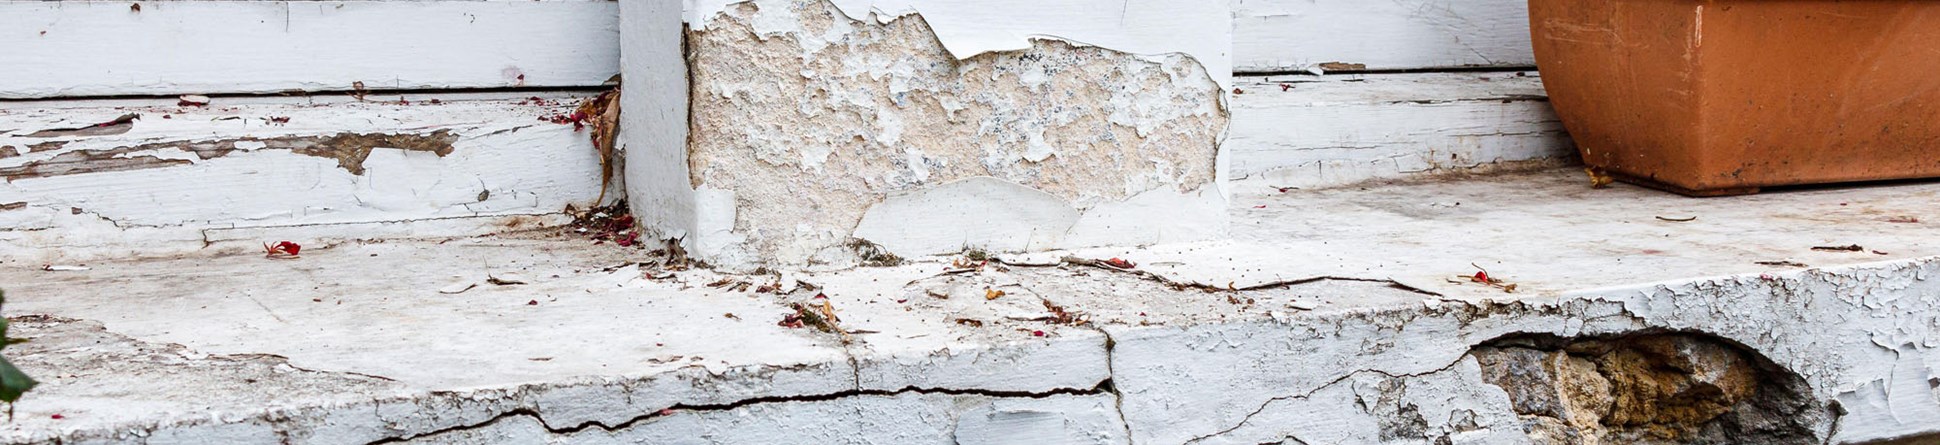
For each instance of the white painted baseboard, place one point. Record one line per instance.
(1306, 131)
(79, 48)
(164, 182)
(1277, 36)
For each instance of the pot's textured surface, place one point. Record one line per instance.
(1724, 97)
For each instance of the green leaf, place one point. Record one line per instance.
(13, 383)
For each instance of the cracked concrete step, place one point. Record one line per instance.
(320, 168)
(1319, 131)
(1308, 329)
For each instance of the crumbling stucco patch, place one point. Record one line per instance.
(1650, 388)
(809, 118)
(349, 149)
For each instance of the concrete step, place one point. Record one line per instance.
(1332, 316)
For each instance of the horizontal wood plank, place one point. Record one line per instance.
(1331, 130)
(73, 48)
(88, 179)
(1276, 36)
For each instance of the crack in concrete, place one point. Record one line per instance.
(1111, 373)
(1103, 387)
(1309, 393)
(1183, 285)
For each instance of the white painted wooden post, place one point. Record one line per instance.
(653, 116)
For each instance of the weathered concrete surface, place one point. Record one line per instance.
(803, 120)
(112, 178)
(594, 350)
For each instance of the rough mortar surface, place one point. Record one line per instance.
(803, 119)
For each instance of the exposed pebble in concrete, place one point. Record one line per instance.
(809, 118)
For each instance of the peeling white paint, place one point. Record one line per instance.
(1279, 36)
(977, 213)
(1308, 131)
(168, 48)
(503, 162)
(811, 118)
(969, 29)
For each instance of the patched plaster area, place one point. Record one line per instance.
(803, 119)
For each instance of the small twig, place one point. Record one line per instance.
(1677, 219)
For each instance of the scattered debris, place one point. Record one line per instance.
(281, 250)
(1305, 305)
(607, 223)
(57, 416)
(1060, 316)
(1847, 248)
(965, 264)
(1903, 220)
(1284, 189)
(1259, 206)
(819, 316)
(532, 303)
(1880, 253)
(1786, 263)
(56, 268)
(1687, 219)
(872, 254)
(193, 100)
(969, 322)
(731, 285)
(458, 287)
(1237, 91)
(603, 112)
(540, 359)
(731, 316)
(1482, 276)
(274, 120)
(992, 294)
(508, 279)
(1598, 179)
(1120, 263)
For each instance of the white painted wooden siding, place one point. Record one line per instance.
(180, 177)
(1297, 35)
(1331, 130)
(76, 48)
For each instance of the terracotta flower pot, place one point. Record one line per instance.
(1723, 97)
